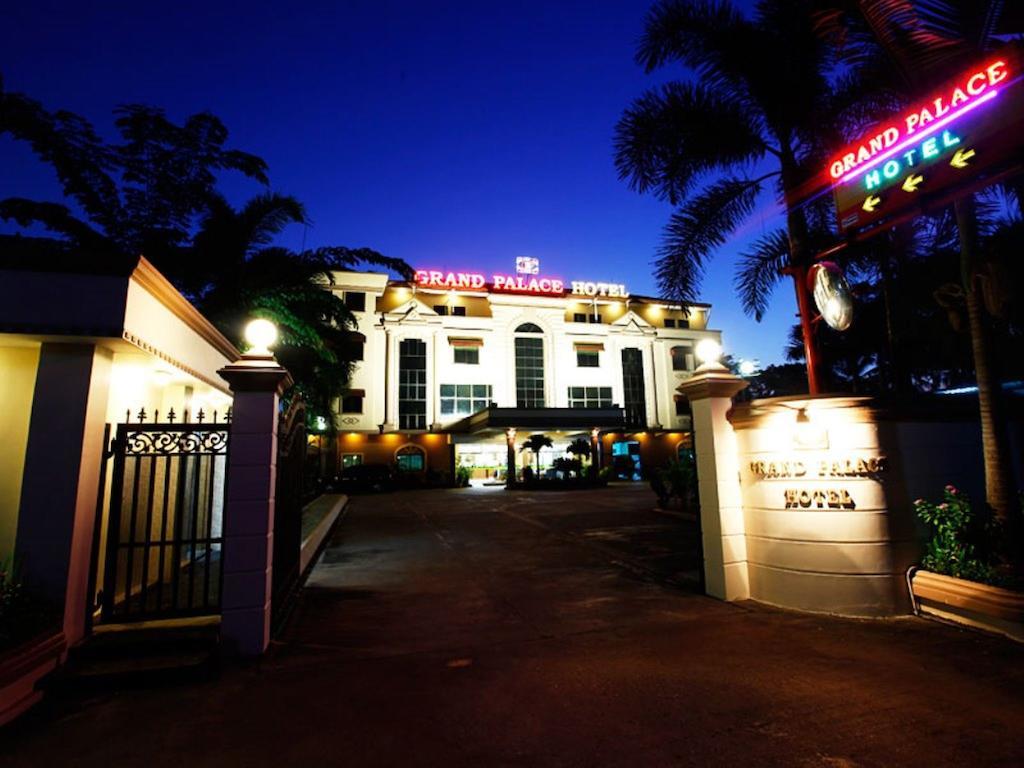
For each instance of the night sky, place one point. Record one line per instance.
(452, 135)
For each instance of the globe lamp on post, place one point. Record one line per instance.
(709, 352)
(260, 334)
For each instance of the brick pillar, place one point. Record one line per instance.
(257, 383)
(710, 392)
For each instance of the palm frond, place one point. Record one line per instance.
(759, 271)
(668, 138)
(340, 257)
(697, 229)
(709, 36)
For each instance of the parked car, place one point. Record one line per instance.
(365, 478)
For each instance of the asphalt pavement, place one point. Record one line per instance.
(479, 627)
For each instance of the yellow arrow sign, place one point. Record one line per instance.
(871, 203)
(911, 183)
(960, 158)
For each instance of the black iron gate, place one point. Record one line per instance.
(163, 536)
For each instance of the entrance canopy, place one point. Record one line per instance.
(492, 420)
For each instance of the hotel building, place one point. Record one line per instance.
(455, 367)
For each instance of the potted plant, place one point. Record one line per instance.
(962, 577)
(31, 644)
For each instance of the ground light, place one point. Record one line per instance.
(260, 334)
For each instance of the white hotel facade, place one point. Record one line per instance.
(454, 365)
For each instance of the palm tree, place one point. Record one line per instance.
(234, 272)
(756, 118)
(155, 193)
(580, 448)
(926, 42)
(533, 444)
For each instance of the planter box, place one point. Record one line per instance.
(22, 667)
(967, 602)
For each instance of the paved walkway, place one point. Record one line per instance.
(483, 628)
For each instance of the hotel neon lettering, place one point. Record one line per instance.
(975, 89)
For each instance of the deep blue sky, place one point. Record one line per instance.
(453, 135)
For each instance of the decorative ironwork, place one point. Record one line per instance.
(164, 529)
(175, 439)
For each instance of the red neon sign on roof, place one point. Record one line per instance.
(959, 98)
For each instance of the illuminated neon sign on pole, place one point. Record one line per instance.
(938, 145)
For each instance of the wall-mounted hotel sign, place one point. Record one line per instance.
(525, 284)
(970, 127)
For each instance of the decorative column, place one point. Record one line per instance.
(390, 384)
(257, 382)
(60, 483)
(654, 407)
(710, 392)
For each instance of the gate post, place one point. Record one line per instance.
(710, 393)
(257, 382)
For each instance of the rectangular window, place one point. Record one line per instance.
(587, 359)
(441, 309)
(579, 317)
(464, 399)
(351, 460)
(353, 350)
(529, 372)
(412, 384)
(459, 311)
(682, 407)
(355, 301)
(682, 357)
(590, 397)
(467, 355)
(682, 323)
(352, 404)
(670, 322)
(633, 387)
(595, 319)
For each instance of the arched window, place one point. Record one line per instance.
(529, 366)
(411, 458)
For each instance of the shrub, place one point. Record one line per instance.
(963, 541)
(23, 614)
(677, 479)
(462, 475)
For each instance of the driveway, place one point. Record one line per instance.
(478, 627)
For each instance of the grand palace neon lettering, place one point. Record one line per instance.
(969, 93)
(543, 286)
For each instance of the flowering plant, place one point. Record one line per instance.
(963, 542)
